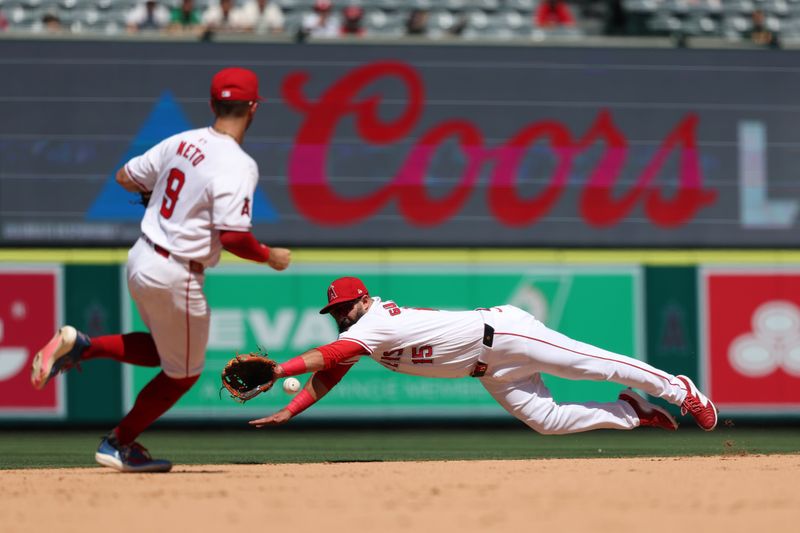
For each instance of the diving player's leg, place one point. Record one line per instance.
(554, 353)
(530, 401)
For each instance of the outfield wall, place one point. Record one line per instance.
(419, 144)
(731, 320)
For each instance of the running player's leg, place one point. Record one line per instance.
(530, 401)
(69, 347)
(179, 320)
(155, 399)
(136, 348)
(148, 274)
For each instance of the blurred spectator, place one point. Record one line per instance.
(353, 16)
(3, 21)
(713, 5)
(553, 13)
(459, 25)
(260, 16)
(320, 23)
(759, 33)
(218, 17)
(417, 23)
(147, 16)
(616, 19)
(185, 17)
(51, 22)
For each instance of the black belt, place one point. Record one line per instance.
(194, 266)
(488, 339)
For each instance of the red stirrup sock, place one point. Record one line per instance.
(154, 400)
(132, 348)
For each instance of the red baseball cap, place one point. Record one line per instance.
(344, 290)
(235, 84)
(323, 5)
(353, 12)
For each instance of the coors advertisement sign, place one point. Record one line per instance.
(422, 145)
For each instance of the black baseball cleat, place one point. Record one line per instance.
(131, 457)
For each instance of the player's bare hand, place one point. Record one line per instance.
(281, 417)
(279, 258)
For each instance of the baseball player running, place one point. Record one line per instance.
(202, 186)
(505, 347)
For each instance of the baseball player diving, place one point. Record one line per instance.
(200, 185)
(504, 347)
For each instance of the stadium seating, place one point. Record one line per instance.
(470, 19)
(382, 18)
(727, 19)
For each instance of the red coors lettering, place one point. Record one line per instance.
(600, 204)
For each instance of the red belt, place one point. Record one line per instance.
(194, 266)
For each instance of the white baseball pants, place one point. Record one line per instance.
(172, 304)
(523, 348)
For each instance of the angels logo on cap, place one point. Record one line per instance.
(344, 290)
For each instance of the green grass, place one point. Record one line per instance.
(37, 449)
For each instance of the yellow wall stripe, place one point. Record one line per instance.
(432, 255)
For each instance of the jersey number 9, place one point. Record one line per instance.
(174, 186)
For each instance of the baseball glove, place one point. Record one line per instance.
(144, 198)
(248, 375)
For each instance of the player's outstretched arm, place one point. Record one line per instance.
(243, 244)
(318, 385)
(307, 362)
(321, 358)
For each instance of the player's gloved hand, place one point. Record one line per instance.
(144, 198)
(281, 417)
(279, 258)
(248, 375)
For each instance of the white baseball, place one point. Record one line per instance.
(291, 385)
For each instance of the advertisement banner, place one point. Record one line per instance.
(752, 327)
(254, 307)
(420, 144)
(30, 312)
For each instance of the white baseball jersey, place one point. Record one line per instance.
(448, 344)
(422, 342)
(202, 182)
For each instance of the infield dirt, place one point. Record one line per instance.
(697, 494)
